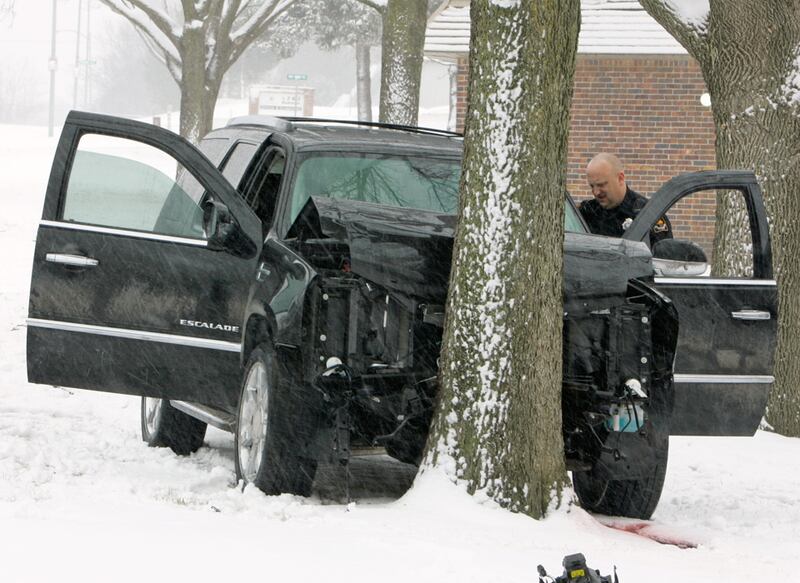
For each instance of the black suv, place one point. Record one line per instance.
(288, 284)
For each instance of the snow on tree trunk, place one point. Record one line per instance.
(497, 429)
(749, 53)
(363, 82)
(452, 112)
(401, 60)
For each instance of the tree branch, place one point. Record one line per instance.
(229, 16)
(380, 7)
(256, 25)
(171, 63)
(691, 37)
(158, 18)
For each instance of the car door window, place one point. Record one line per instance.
(572, 221)
(125, 184)
(262, 191)
(237, 161)
(693, 223)
(214, 148)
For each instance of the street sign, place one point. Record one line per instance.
(297, 77)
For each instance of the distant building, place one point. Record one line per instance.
(286, 100)
(637, 94)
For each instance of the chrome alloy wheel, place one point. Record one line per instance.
(152, 410)
(253, 419)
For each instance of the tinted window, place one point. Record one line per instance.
(237, 162)
(115, 182)
(263, 190)
(214, 149)
(572, 222)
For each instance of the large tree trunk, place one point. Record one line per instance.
(754, 46)
(199, 86)
(401, 60)
(749, 57)
(363, 82)
(498, 425)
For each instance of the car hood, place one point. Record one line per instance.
(410, 250)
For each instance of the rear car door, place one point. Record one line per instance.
(130, 293)
(728, 314)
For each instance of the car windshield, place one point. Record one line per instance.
(389, 179)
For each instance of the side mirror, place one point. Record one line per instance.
(679, 258)
(223, 232)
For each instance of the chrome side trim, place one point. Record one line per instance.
(751, 315)
(215, 417)
(724, 379)
(136, 335)
(123, 233)
(715, 281)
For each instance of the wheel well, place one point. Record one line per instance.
(256, 331)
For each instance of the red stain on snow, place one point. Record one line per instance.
(650, 531)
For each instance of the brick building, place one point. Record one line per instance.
(637, 94)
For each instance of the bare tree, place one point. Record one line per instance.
(749, 53)
(402, 45)
(351, 23)
(498, 422)
(198, 42)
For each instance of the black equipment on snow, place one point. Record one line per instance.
(576, 571)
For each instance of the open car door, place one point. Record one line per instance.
(141, 269)
(728, 324)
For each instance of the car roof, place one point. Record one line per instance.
(305, 133)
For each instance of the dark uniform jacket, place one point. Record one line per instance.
(613, 222)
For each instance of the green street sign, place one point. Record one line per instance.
(297, 77)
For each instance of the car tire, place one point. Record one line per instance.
(630, 498)
(164, 426)
(267, 451)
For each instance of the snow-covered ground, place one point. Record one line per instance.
(83, 499)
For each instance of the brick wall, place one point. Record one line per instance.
(645, 109)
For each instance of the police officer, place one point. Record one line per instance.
(615, 205)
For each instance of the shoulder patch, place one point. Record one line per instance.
(661, 226)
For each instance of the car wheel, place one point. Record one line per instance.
(631, 498)
(164, 426)
(266, 451)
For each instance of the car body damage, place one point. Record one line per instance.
(376, 307)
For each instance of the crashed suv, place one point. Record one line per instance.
(287, 283)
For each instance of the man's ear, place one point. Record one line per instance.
(621, 177)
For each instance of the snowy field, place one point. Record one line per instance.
(83, 499)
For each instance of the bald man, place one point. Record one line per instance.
(615, 205)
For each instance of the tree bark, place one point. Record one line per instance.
(363, 82)
(498, 425)
(401, 60)
(749, 53)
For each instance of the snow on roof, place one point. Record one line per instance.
(607, 26)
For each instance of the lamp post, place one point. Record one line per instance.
(77, 60)
(52, 64)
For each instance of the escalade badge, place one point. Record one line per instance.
(209, 325)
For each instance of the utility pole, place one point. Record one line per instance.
(77, 59)
(88, 55)
(52, 65)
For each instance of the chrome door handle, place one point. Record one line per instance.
(74, 260)
(751, 315)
